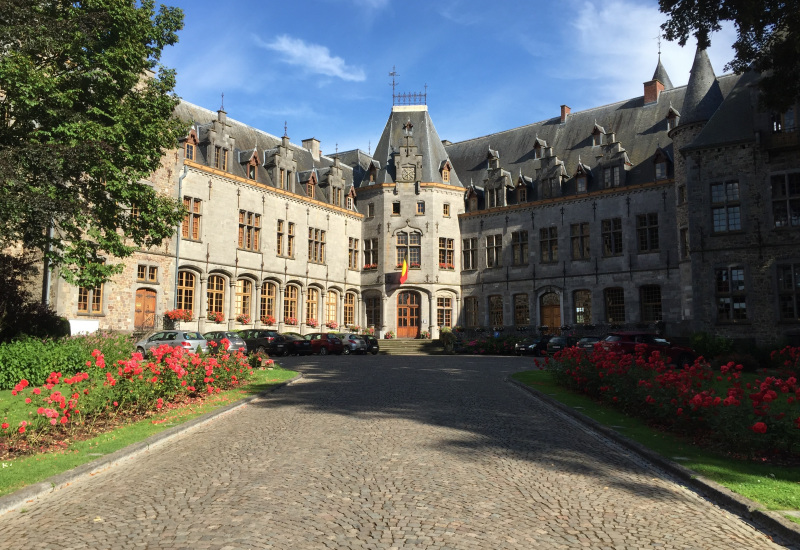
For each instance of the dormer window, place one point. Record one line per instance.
(473, 203)
(522, 194)
(597, 139)
(221, 158)
(537, 151)
(784, 122)
(446, 175)
(661, 170)
(190, 147)
(673, 117)
(494, 197)
(580, 183)
(350, 203)
(550, 188)
(611, 177)
(660, 163)
(310, 189)
(189, 151)
(251, 171)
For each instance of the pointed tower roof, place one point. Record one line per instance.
(703, 95)
(661, 75)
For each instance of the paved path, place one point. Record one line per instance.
(387, 452)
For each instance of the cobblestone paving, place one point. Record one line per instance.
(387, 452)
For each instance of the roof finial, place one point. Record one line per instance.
(658, 37)
(222, 105)
(337, 150)
(394, 82)
(369, 148)
(285, 129)
(579, 160)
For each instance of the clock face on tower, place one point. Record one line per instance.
(408, 173)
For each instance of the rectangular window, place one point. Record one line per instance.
(243, 297)
(496, 310)
(789, 292)
(189, 151)
(786, 199)
(444, 312)
(371, 210)
(185, 296)
(615, 305)
(681, 194)
(469, 253)
(147, 273)
(190, 229)
(349, 203)
(580, 184)
(583, 307)
(224, 166)
(371, 254)
(90, 300)
(352, 253)
(579, 234)
(494, 250)
(612, 237)
(446, 210)
(549, 188)
(519, 246)
(471, 311)
(446, 253)
(548, 244)
(349, 308)
(290, 241)
(282, 180)
(522, 314)
(311, 190)
(650, 299)
(217, 151)
(647, 232)
(402, 248)
(420, 208)
(395, 209)
(684, 242)
(337, 196)
(611, 177)
(373, 306)
(316, 245)
(731, 294)
(249, 230)
(661, 170)
(281, 237)
(522, 195)
(725, 208)
(415, 250)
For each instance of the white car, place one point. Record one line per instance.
(354, 343)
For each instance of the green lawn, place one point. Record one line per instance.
(18, 473)
(777, 488)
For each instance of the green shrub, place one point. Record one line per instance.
(710, 345)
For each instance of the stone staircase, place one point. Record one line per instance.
(410, 347)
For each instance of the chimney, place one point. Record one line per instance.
(652, 90)
(564, 112)
(312, 144)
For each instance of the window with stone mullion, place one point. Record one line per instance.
(786, 199)
(731, 294)
(725, 208)
(789, 292)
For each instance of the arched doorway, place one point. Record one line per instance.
(408, 314)
(550, 308)
(145, 315)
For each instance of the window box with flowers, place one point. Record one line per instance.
(267, 320)
(370, 266)
(243, 318)
(179, 314)
(414, 265)
(312, 323)
(446, 266)
(354, 328)
(290, 321)
(332, 324)
(216, 316)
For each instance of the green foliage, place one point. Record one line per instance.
(34, 360)
(768, 39)
(710, 345)
(90, 114)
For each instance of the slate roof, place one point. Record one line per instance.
(703, 95)
(661, 75)
(638, 129)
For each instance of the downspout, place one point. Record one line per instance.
(178, 238)
(46, 266)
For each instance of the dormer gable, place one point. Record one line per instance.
(583, 176)
(597, 134)
(190, 143)
(249, 161)
(493, 159)
(673, 118)
(445, 170)
(539, 148)
(350, 198)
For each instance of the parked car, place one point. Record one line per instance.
(558, 343)
(186, 339)
(587, 343)
(296, 344)
(261, 340)
(353, 343)
(533, 345)
(324, 343)
(372, 344)
(626, 342)
(236, 341)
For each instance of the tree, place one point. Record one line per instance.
(768, 39)
(86, 113)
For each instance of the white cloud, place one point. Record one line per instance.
(313, 58)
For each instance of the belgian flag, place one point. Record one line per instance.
(404, 272)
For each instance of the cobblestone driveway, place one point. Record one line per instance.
(388, 452)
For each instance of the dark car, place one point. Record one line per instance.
(324, 343)
(372, 344)
(261, 340)
(626, 342)
(587, 343)
(558, 343)
(296, 344)
(217, 336)
(532, 345)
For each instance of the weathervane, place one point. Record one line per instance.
(285, 129)
(222, 106)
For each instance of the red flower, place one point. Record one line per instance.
(5, 425)
(759, 428)
(22, 429)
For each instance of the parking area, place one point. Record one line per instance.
(384, 452)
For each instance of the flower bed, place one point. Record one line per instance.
(64, 405)
(719, 405)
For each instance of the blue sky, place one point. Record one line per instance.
(323, 65)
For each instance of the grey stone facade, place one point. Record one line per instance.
(679, 208)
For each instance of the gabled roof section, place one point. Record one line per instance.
(661, 75)
(426, 139)
(703, 95)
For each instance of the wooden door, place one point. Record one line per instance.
(145, 316)
(550, 308)
(408, 315)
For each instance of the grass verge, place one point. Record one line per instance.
(775, 487)
(18, 473)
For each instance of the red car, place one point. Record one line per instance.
(324, 343)
(626, 342)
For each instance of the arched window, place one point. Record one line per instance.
(215, 296)
(312, 307)
(349, 308)
(268, 295)
(290, 305)
(185, 290)
(330, 307)
(244, 295)
(444, 312)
